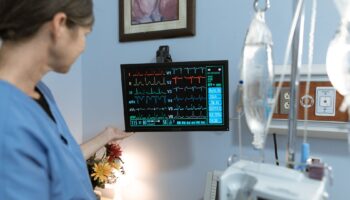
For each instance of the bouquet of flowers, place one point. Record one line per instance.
(101, 169)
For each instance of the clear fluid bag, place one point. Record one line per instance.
(343, 7)
(338, 54)
(257, 75)
(338, 58)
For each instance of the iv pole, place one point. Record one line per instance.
(297, 46)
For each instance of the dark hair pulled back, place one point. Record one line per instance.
(20, 19)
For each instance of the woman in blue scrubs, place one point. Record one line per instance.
(39, 158)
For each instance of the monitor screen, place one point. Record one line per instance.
(178, 96)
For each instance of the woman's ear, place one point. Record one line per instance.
(58, 24)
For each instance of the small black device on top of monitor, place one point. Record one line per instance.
(177, 96)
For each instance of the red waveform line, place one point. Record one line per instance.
(137, 74)
(194, 77)
(161, 73)
(176, 78)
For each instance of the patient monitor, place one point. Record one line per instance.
(259, 181)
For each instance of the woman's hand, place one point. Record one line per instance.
(109, 134)
(116, 134)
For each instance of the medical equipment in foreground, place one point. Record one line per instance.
(257, 181)
(247, 180)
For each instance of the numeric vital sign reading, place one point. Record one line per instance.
(175, 96)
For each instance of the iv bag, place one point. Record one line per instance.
(338, 60)
(343, 7)
(257, 75)
(338, 54)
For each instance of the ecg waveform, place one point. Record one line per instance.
(170, 96)
(155, 99)
(188, 89)
(189, 70)
(139, 74)
(192, 79)
(191, 115)
(190, 108)
(146, 82)
(176, 108)
(133, 109)
(148, 91)
(190, 98)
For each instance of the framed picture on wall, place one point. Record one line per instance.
(154, 19)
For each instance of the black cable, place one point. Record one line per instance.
(275, 145)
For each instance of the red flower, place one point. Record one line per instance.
(114, 151)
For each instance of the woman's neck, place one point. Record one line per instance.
(23, 65)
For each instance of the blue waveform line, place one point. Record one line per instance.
(188, 70)
(143, 92)
(174, 70)
(194, 69)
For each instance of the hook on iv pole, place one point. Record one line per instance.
(264, 9)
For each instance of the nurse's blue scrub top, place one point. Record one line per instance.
(35, 160)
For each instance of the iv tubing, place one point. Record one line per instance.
(286, 56)
(240, 112)
(297, 47)
(310, 61)
(240, 135)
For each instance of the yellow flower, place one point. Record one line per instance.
(101, 171)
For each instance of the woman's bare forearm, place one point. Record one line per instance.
(90, 147)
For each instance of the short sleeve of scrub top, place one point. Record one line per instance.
(39, 159)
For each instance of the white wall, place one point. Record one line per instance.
(173, 165)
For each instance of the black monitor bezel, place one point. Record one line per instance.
(224, 127)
